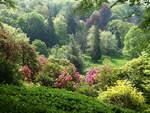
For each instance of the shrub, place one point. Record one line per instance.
(48, 74)
(100, 77)
(26, 71)
(62, 62)
(123, 94)
(137, 71)
(87, 90)
(69, 79)
(9, 72)
(48, 100)
(17, 51)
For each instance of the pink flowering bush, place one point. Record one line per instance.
(100, 77)
(42, 60)
(26, 71)
(91, 76)
(69, 79)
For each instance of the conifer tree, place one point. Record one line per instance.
(93, 43)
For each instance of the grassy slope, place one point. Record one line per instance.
(115, 61)
(15, 99)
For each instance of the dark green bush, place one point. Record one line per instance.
(15, 99)
(87, 90)
(8, 72)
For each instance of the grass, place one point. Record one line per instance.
(116, 61)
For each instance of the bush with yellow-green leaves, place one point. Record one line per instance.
(123, 94)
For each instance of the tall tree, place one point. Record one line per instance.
(60, 25)
(101, 18)
(120, 29)
(136, 41)
(74, 54)
(93, 43)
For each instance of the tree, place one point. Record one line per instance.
(74, 54)
(60, 26)
(100, 19)
(34, 25)
(125, 12)
(71, 20)
(40, 47)
(9, 17)
(88, 5)
(136, 41)
(93, 43)
(8, 3)
(81, 34)
(108, 43)
(120, 29)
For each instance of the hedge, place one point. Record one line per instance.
(14, 99)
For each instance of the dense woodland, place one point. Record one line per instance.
(74, 56)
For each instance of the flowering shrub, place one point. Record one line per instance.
(69, 79)
(42, 60)
(91, 76)
(26, 71)
(123, 94)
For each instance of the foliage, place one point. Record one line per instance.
(126, 12)
(100, 77)
(26, 71)
(74, 55)
(119, 29)
(123, 94)
(8, 3)
(100, 19)
(16, 33)
(93, 44)
(58, 73)
(136, 41)
(48, 74)
(34, 25)
(87, 90)
(59, 52)
(40, 47)
(17, 51)
(62, 62)
(9, 73)
(9, 16)
(108, 43)
(69, 79)
(80, 35)
(137, 71)
(38, 99)
(60, 26)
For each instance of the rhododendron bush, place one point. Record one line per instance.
(69, 79)
(99, 77)
(58, 73)
(26, 71)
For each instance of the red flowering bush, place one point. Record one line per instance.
(26, 71)
(69, 79)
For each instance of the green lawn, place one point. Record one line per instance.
(116, 61)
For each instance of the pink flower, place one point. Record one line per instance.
(90, 76)
(42, 60)
(26, 72)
